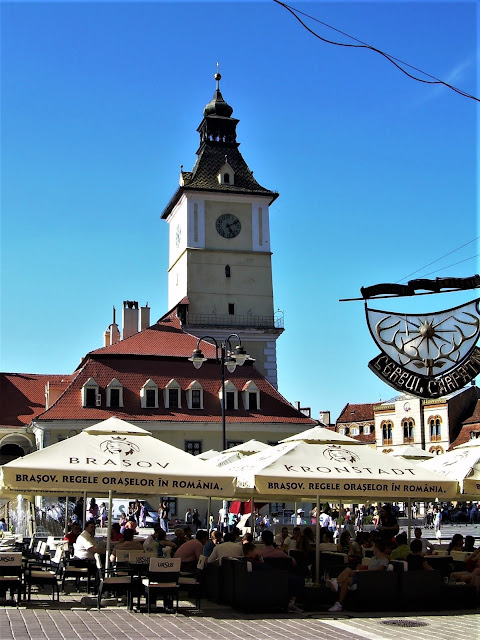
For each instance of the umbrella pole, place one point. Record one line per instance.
(84, 509)
(409, 520)
(109, 528)
(317, 542)
(252, 517)
(209, 511)
(66, 515)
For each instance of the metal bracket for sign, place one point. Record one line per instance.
(429, 287)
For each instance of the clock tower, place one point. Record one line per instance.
(220, 271)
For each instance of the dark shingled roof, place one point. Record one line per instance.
(218, 143)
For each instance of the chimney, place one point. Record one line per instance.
(324, 416)
(297, 405)
(144, 317)
(129, 318)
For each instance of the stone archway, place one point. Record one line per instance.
(14, 446)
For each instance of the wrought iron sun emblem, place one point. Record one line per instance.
(430, 343)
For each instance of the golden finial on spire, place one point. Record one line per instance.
(218, 77)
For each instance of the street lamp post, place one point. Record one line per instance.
(229, 358)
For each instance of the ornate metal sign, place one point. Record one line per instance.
(427, 355)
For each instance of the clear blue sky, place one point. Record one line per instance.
(376, 172)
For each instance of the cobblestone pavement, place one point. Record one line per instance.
(76, 617)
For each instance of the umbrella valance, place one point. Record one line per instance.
(115, 456)
(293, 469)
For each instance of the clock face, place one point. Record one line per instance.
(178, 235)
(228, 226)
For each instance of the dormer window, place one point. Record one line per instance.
(149, 395)
(90, 394)
(367, 430)
(195, 395)
(231, 396)
(114, 394)
(172, 395)
(226, 175)
(355, 431)
(251, 396)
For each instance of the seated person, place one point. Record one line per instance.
(427, 548)
(164, 545)
(469, 544)
(350, 548)
(282, 540)
(326, 540)
(151, 542)
(269, 550)
(228, 549)
(348, 576)
(471, 575)
(115, 535)
(128, 544)
(216, 537)
(72, 535)
(247, 537)
(84, 546)
(415, 558)
(251, 554)
(190, 551)
(179, 538)
(188, 533)
(456, 543)
(402, 549)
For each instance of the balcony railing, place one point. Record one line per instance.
(217, 320)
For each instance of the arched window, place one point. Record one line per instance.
(387, 433)
(435, 424)
(408, 431)
(226, 178)
(227, 271)
(436, 450)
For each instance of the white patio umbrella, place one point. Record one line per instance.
(409, 452)
(211, 453)
(299, 469)
(321, 434)
(116, 456)
(461, 464)
(249, 447)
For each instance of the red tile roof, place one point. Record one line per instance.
(356, 413)
(23, 396)
(471, 423)
(132, 373)
(164, 338)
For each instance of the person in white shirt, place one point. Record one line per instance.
(284, 541)
(84, 547)
(426, 546)
(227, 549)
(325, 520)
